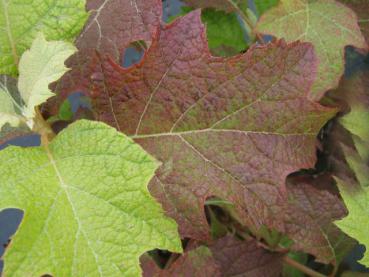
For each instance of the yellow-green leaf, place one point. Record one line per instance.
(87, 209)
(327, 24)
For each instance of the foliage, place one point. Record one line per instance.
(328, 25)
(21, 21)
(221, 138)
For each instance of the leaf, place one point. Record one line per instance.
(22, 20)
(263, 5)
(183, 104)
(38, 67)
(224, 32)
(9, 108)
(246, 258)
(195, 263)
(87, 209)
(99, 39)
(228, 256)
(222, 5)
(330, 26)
(314, 205)
(355, 224)
(360, 7)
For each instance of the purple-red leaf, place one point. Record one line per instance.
(246, 258)
(314, 205)
(233, 128)
(194, 263)
(111, 27)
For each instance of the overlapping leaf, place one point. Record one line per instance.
(20, 21)
(313, 204)
(246, 258)
(198, 262)
(227, 257)
(87, 210)
(38, 67)
(223, 5)
(182, 105)
(361, 8)
(354, 184)
(225, 34)
(330, 26)
(112, 26)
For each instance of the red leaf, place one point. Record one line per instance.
(246, 258)
(361, 8)
(194, 263)
(227, 127)
(314, 205)
(111, 27)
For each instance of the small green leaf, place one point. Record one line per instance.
(263, 5)
(356, 223)
(65, 111)
(87, 209)
(40, 66)
(224, 31)
(22, 20)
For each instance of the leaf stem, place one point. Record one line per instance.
(308, 271)
(43, 128)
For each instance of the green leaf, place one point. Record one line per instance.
(87, 209)
(356, 223)
(65, 111)
(9, 108)
(40, 66)
(22, 20)
(263, 5)
(224, 31)
(357, 122)
(327, 24)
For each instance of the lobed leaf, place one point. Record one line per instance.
(87, 210)
(132, 20)
(10, 111)
(197, 262)
(38, 67)
(22, 20)
(183, 104)
(354, 188)
(228, 256)
(327, 24)
(361, 8)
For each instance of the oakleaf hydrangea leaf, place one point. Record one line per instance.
(10, 111)
(183, 104)
(87, 210)
(263, 5)
(223, 31)
(245, 258)
(228, 256)
(355, 189)
(196, 262)
(110, 29)
(361, 8)
(223, 5)
(20, 21)
(329, 25)
(38, 67)
(356, 223)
